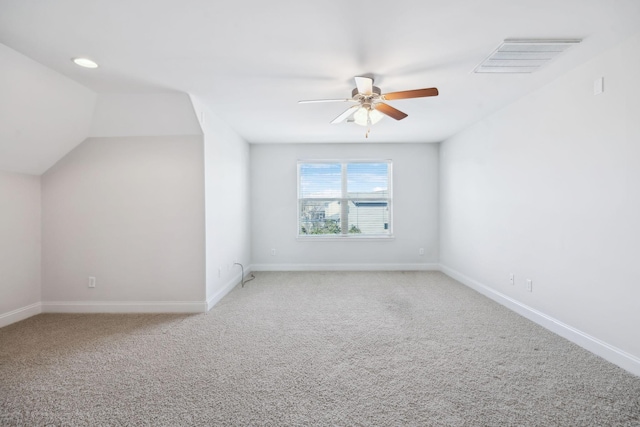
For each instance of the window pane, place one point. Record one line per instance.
(338, 198)
(320, 180)
(319, 217)
(368, 217)
(368, 180)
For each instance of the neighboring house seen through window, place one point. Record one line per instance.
(344, 199)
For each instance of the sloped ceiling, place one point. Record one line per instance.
(43, 115)
(251, 61)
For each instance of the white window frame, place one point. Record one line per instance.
(344, 199)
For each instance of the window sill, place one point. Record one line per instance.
(323, 238)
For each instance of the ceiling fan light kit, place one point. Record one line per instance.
(370, 107)
(367, 116)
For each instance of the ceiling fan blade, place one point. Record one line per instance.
(390, 111)
(417, 93)
(312, 101)
(364, 85)
(342, 117)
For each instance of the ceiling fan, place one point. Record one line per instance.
(369, 102)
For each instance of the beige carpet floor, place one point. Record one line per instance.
(328, 348)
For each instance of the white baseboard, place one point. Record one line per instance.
(608, 352)
(345, 267)
(124, 306)
(216, 297)
(20, 314)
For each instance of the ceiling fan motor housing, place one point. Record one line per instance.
(375, 93)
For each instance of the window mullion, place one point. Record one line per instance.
(344, 203)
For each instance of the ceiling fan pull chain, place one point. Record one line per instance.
(366, 135)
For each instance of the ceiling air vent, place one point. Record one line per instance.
(523, 56)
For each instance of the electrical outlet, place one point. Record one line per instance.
(421, 251)
(529, 285)
(92, 282)
(512, 279)
(273, 251)
(598, 86)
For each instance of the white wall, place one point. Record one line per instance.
(131, 114)
(43, 114)
(129, 211)
(226, 164)
(19, 246)
(548, 189)
(274, 209)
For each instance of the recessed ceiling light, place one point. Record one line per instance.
(85, 62)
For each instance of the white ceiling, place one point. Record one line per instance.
(252, 60)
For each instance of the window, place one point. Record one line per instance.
(344, 199)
